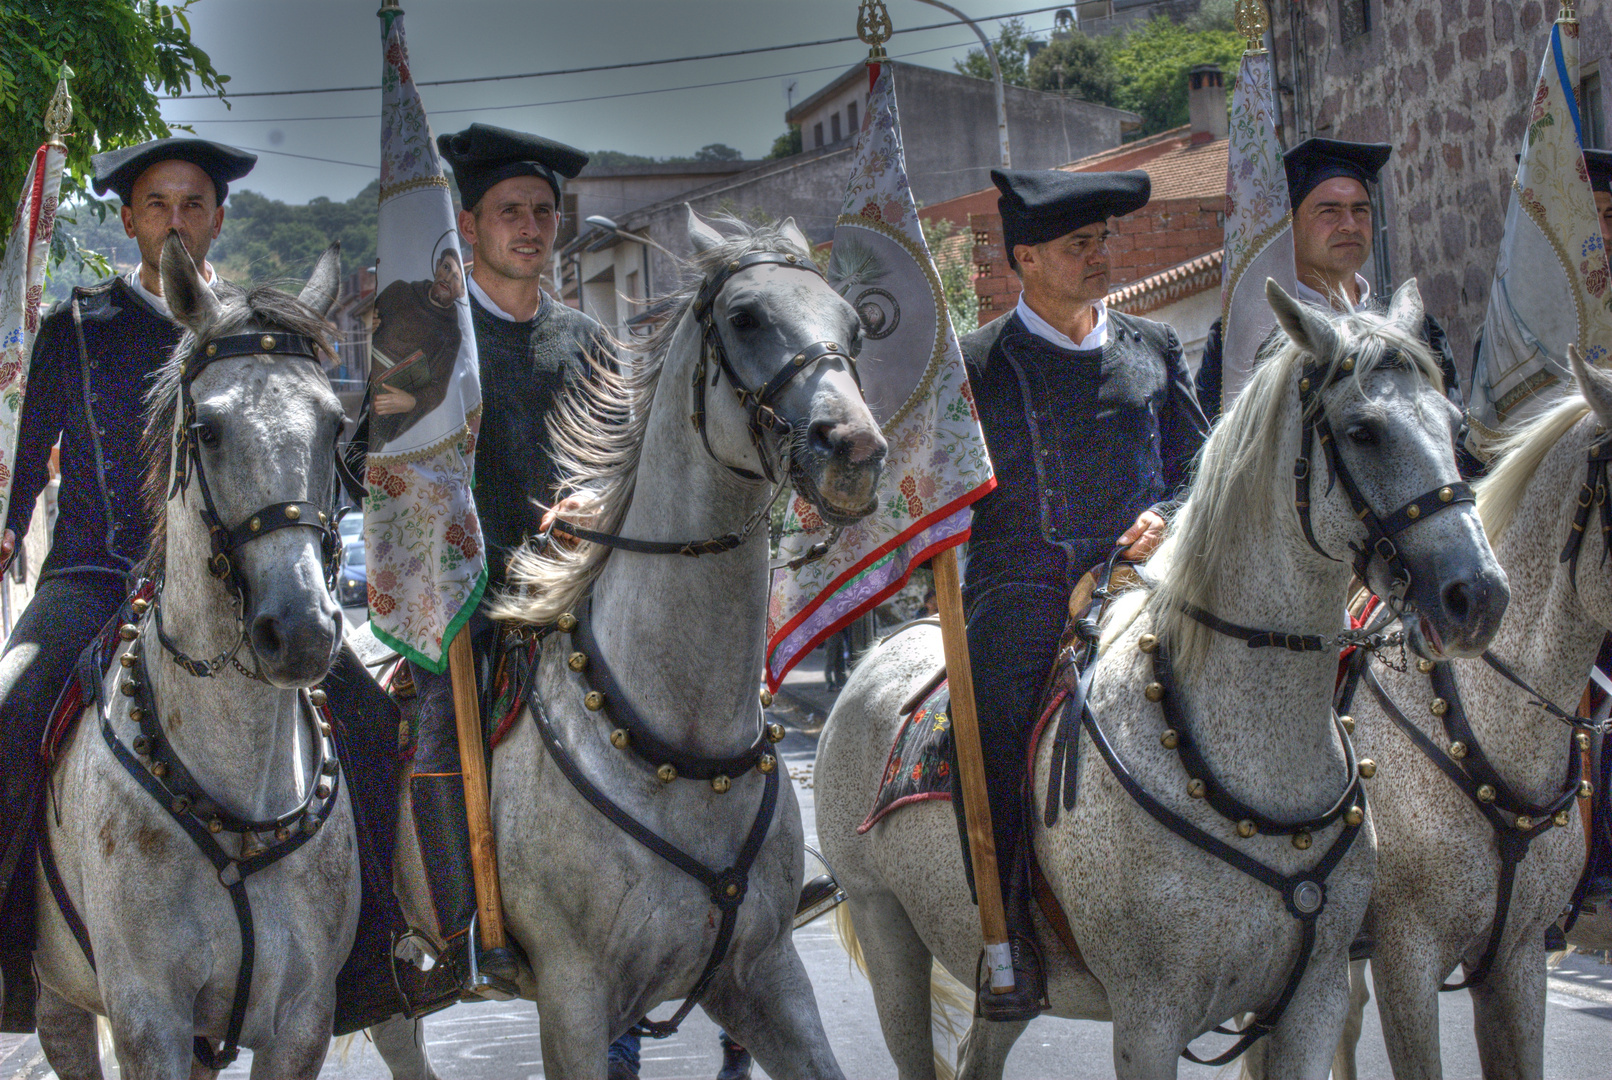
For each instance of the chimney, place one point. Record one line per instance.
(1206, 104)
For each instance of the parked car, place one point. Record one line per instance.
(352, 584)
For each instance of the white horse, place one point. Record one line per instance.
(178, 795)
(1435, 904)
(646, 690)
(1175, 940)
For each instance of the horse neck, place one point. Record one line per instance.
(685, 635)
(245, 741)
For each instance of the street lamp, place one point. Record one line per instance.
(599, 221)
(996, 75)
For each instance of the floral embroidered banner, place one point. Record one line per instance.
(426, 562)
(915, 384)
(22, 289)
(1550, 285)
(1259, 224)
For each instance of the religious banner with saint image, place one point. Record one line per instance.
(426, 561)
(915, 384)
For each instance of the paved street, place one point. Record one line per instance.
(499, 1041)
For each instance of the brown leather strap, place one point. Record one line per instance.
(1053, 912)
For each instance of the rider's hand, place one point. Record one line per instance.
(579, 509)
(1141, 538)
(391, 401)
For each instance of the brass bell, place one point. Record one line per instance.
(1348, 723)
(1486, 793)
(1246, 828)
(142, 745)
(1584, 789)
(667, 773)
(1353, 816)
(766, 764)
(215, 826)
(1197, 788)
(324, 728)
(1425, 666)
(137, 715)
(775, 733)
(1458, 749)
(317, 698)
(594, 701)
(1348, 363)
(282, 834)
(322, 791)
(249, 846)
(159, 769)
(310, 824)
(1583, 740)
(720, 784)
(1148, 643)
(1302, 841)
(1524, 822)
(1368, 768)
(619, 738)
(139, 606)
(566, 622)
(1169, 740)
(127, 659)
(1438, 706)
(1153, 691)
(1562, 817)
(128, 631)
(255, 524)
(766, 697)
(129, 687)
(1304, 386)
(576, 661)
(180, 805)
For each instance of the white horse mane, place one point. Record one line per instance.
(1518, 456)
(1238, 475)
(597, 430)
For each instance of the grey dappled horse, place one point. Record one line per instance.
(1176, 941)
(164, 933)
(1438, 864)
(610, 928)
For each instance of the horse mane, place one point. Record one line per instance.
(1518, 456)
(597, 430)
(1240, 469)
(264, 307)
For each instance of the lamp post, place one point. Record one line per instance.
(996, 75)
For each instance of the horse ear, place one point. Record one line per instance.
(793, 234)
(1308, 328)
(1594, 383)
(700, 234)
(324, 282)
(190, 301)
(1405, 310)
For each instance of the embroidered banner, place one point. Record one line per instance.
(426, 561)
(915, 384)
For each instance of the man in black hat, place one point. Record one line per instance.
(1328, 184)
(1092, 425)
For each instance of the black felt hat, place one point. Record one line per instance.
(482, 155)
(1599, 164)
(1315, 161)
(117, 170)
(1044, 204)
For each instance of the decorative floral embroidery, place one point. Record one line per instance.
(919, 766)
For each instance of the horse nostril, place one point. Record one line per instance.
(267, 640)
(820, 438)
(1458, 600)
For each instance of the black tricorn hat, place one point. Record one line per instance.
(1315, 161)
(117, 170)
(482, 155)
(1044, 204)
(1599, 164)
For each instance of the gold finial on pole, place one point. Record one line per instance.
(1566, 13)
(59, 113)
(1252, 22)
(874, 28)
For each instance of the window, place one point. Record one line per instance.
(834, 126)
(850, 117)
(817, 134)
(1354, 18)
(1591, 108)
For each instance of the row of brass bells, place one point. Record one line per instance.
(317, 698)
(1368, 768)
(139, 606)
(1302, 841)
(1425, 666)
(1583, 740)
(1354, 817)
(1438, 706)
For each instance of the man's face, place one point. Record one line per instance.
(512, 229)
(448, 285)
(1071, 269)
(173, 195)
(1603, 211)
(1332, 230)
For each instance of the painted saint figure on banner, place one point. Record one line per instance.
(414, 346)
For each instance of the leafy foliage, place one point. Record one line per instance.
(1151, 62)
(955, 265)
(265, 238)
(788, 144)
(1076, 65)
(1012, 47)
(123, 53)
(718, 152)
(612, 158)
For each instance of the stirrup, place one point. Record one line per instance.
(479, 983)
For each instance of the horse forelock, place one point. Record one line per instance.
(597, 430)
(1518, 456)
(1241, 469)
(263, 307)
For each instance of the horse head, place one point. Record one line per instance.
(1384, 494)
(250, 488)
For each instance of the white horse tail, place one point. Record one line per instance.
(948, 998)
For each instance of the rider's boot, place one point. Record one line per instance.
(1028, 998)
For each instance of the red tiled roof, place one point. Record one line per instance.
(1178, 168)
(1167, 286)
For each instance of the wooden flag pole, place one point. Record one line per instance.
(971, 767)
(473, 770)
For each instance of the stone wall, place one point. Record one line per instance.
(1447, 82)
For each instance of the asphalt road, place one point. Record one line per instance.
(499, 1041)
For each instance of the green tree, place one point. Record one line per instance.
(123, 54)
(718, 152)
(788, 144)
(954, 262)
(1151, 62)
(616, 157)
(1076, 65)
(1012, 48)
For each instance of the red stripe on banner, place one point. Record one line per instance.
(34, 199)
(868, 560)
(873, 76)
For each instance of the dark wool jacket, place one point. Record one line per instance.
(95, 402)
(1081, 441)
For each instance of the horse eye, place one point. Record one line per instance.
(205, 434)
(1362, 435)
(742, 320)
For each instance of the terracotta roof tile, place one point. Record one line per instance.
(1167, 286)
(1179, 169)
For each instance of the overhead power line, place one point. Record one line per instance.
(609, 67)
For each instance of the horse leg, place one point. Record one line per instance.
(1343, 1062)
(1147, 1039)
(898, 967)
(1509, 1015)
(1306, 1038)
(1406, 972)
(401, 1044)
(67, 1035)
(152, 1036)
(773, 1013)
(576, 1027)
(983, 1052)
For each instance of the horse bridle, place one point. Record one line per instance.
(227, 541)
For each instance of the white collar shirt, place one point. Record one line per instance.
(1321, 300)
(1041, 328)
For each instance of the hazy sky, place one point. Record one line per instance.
(301, 44)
